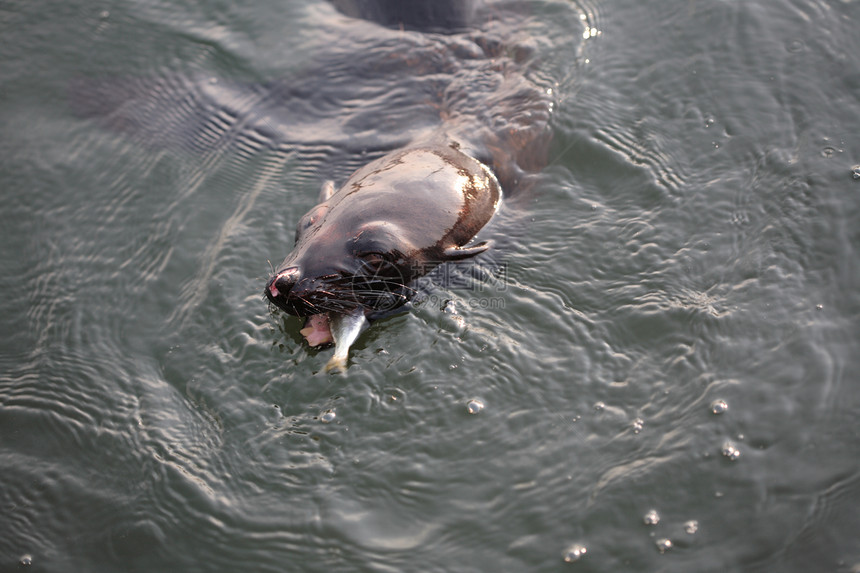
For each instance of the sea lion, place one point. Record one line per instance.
(393, 221)
(359, 250)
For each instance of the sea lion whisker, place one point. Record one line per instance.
(379, 280)
(337, 305)
(400, 285)
(306, 301)
(382, 296)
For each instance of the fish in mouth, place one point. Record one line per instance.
(338, 315)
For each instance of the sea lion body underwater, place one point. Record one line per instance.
(357, 252)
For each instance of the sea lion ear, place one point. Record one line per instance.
(327, 191)
(459, 253)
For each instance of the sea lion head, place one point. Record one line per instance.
(391, 222)
(338, 268)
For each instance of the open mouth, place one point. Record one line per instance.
(317, 330)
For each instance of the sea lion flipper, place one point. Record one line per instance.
(327, 191)
(458, 253)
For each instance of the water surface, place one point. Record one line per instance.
(690, 248)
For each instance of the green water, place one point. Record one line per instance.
(692, 243)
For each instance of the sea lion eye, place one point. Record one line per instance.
(374, 262)
(373, 258)
(304, 223)
(309, 220)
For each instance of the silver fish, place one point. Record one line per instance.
(345, 329)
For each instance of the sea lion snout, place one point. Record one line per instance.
(302, 292)
(282, 282)
(288, 290)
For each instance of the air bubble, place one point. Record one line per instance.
(638, 424)
(730, 451)
(574, 553)
(599, 407)
(328, 417)
(719, 407)
(474, 406)
(26, 560)
(691, 526)
(651, 518)
(855, 172)
(664, 545)
(795, 46)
